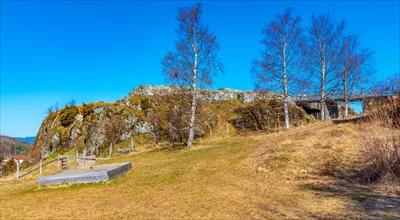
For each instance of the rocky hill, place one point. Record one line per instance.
(9, 146)
(159, 113)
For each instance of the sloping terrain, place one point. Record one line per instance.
(274, 176)
(9, 145)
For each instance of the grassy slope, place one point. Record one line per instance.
(259, 176)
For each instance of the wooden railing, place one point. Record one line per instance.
(339, 97)
(59, 158)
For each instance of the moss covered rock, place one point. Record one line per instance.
(161, 113)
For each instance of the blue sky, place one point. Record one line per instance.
(55, 51)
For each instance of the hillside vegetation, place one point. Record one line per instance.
(299, 173)
(157, 114)
(9, 146)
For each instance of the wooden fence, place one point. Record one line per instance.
(59, 158)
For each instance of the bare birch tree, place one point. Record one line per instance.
(280, 60)
(355, 68)
(325, 34)
(194, 61)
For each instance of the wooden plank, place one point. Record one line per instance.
(40, 167)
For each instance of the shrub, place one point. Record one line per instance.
(87, 110)
(9, 167)
(113, 128)
(382, 153)
(386, 112)
(381, 158)
(169, 116)
(267, 115)
(25, 164)
(145, 103)
(67, 115)
(177, 125)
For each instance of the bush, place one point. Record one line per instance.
(382, 153)
(381, 158)
(145, 103)
(67, 115)
(9, 167)
(87, 110)
(386, 112)
(267, 115)
(169, 116)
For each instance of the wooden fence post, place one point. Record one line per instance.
(131, 143)
(84, 156)
(58, 162)
(40, 167)
(17, 174)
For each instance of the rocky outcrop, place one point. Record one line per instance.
(223, 94)
(141, 113)
(84, 126)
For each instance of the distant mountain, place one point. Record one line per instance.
(29, 140)
(9, 145)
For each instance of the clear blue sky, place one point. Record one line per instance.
(55, 51)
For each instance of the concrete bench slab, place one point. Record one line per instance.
(86, 175)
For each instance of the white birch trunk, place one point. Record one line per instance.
(323, 75)
(194, 102)
(285, 88)
(345, 97)
(110, 150)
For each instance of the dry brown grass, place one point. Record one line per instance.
(380, 145)
(381, 156)
(260, 176)
(327, 159)
(386, 112)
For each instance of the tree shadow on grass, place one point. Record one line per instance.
(370, 203)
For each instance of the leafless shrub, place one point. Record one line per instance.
(177, 126)
(267, 115)
(113, 128)
(381, 158)
(169, 115)
(386, 112)
(381, 154)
